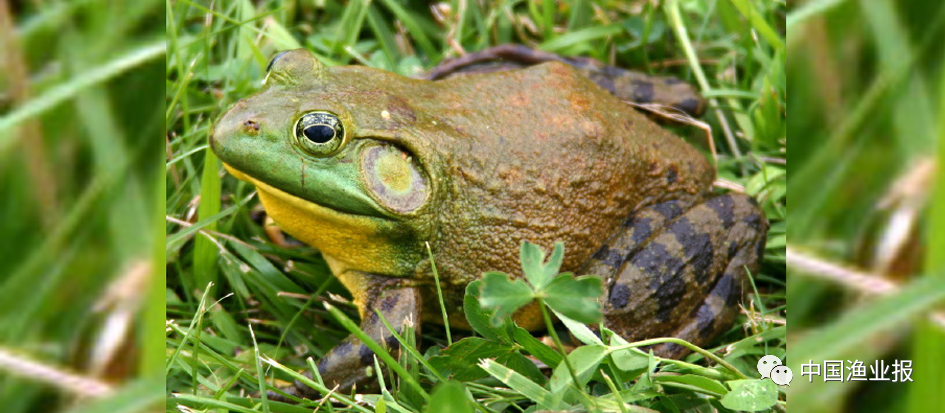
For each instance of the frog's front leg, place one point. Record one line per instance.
(351, 363)
(680, 273)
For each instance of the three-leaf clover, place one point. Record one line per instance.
(570, 296)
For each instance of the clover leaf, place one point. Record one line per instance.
(575, 298)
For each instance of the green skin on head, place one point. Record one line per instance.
(367, 166)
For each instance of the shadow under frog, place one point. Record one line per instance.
(367, 166)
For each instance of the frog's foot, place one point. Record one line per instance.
(350, 364)
(680, 273)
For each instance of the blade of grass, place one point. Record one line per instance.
(818, 178)
(858, 324)
(548, 17)
(68, 90)
(203, 402)
(206, 253)
(350, 27)
(671, 9)
(747, 9)
(580, 37)
(912, 110)
(925, 393)
(153, 337)
(381, 352)
(23, 277)
(351, 403)
(439, 293)
(410, 348)
(260, 375)
(384, 36)
(138, 396)
(106, 138)
(174, 242)
(520, 383)
(808, 10)
(412, 26)
(50, 18)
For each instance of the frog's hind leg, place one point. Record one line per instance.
(678, 273)
(714, 316)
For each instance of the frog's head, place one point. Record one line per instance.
(333, 166)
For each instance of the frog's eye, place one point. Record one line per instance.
(320, 133)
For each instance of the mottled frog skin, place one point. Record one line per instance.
(367, 166)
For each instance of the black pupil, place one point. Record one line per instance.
(319, 133)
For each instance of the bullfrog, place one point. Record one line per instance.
(369, 167)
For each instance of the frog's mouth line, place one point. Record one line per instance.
(315, 208)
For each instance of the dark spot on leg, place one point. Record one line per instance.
(670, 350)
(727, 289)
(668, 296)
(724, 208)
(657, 263)
(613, 72)
(392, 342)
(702, 273)
(759, 252)
(671, 81)
(619, 295)
(642, 92)
(342, 349)
(603, 81)
(692, 242)
(732, 249)
(366, 355)
(702, 262)
(754, 220)
(388, 303)
(668, 210)
(610, 257)
(667, 282)
(641, 230)
(697, 246)
(705, 321)
(691, 106)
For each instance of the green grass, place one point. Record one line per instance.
(732, 49)
(871, 75)
(79, 122)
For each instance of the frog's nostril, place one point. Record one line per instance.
(251, 125)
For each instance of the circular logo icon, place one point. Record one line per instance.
(766, 364)
(782, 375)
